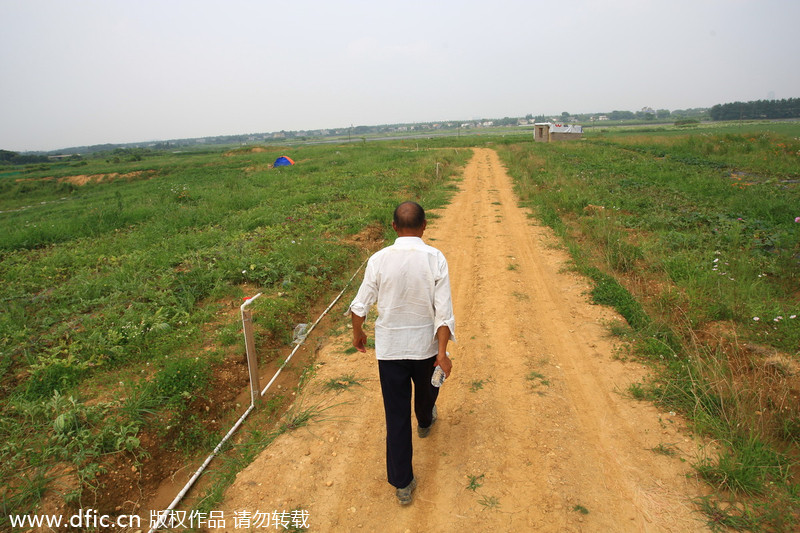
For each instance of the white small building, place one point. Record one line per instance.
(548, 131)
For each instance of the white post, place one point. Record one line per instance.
(249, 344)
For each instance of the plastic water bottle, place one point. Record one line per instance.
(300, 332)
(438, 377)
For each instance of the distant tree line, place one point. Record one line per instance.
(8, 157)
(646, 114)
(786, 108)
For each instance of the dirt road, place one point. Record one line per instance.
(535, 432)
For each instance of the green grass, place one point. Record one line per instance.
(342, 383)
(489, 502)
(112, 292)
(475, 482)
(691, 236)
(664, 449)
(299, 416)
(537, 378)
(749, 466)
(580, 509)
(476, 385)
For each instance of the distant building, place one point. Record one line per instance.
(548, 131)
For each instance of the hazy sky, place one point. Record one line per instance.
(78, 72)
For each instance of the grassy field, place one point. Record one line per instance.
(116, 295)
(121, 279)
(694, 238)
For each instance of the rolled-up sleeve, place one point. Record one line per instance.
(367, 293)
(442, 300)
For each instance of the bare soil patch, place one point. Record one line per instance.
(84, 179)
(243, 151)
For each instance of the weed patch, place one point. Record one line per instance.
(476, 385)
(475, 482)
(342, 383)
(489, 502)
(536, 379)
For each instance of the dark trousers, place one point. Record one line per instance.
(396, 378)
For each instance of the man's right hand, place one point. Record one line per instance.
(360, 340)
(359, 337)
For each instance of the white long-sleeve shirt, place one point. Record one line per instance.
(410, 282)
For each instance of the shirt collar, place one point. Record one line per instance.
(408, 240)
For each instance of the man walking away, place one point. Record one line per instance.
(410, 284)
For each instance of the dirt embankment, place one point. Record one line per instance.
(83, 179)
(535, 432)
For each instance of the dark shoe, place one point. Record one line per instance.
(404, 494)
(424, 432)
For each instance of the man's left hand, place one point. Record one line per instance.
(444, 361)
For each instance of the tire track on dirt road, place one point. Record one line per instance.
(533, 428)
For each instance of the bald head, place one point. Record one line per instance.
(409, 216)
